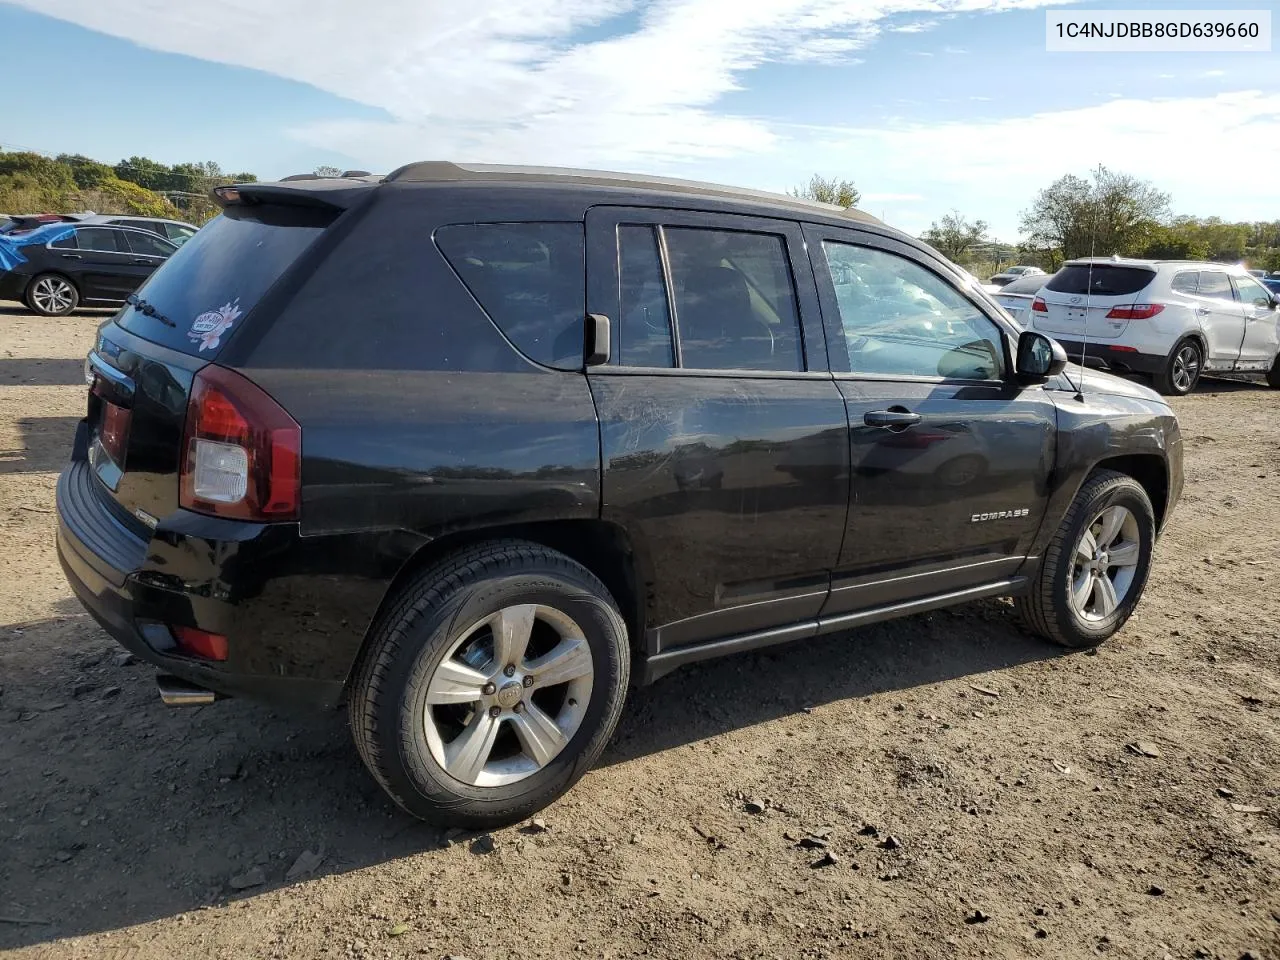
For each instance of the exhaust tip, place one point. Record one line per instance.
(179, 693)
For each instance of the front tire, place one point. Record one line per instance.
(492, 685)
(1182, 369)
(52, 295)
(1096, 566)
(1273, 375)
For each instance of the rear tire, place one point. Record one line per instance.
(1107, 535)
(495, 754)
(52, 295)
(1182, 368)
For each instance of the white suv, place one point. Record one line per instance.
(1173, 319)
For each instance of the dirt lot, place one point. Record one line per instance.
(980, 789)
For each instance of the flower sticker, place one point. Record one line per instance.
(208, 328)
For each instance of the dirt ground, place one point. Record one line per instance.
(982, 793)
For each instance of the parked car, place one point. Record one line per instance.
(1171, 319)
(23, 222)
(1272, 284)
(471, 459)
(175, 231)
(59, 266)
(1017, 295)
(1013, 273)
(1258, 273)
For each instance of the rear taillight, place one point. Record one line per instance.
(1039, 306)
(241, 451)
(200, 643)
(1135, 311)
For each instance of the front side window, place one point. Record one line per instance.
(735, 300)
(1252, 292)
(148, 244)
(530, 278)
(101, 240)
(1216, 285)
(900, 319)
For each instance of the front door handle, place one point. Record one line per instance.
(895, 418)
(1202, 311)
(71, 256)
(141, 260)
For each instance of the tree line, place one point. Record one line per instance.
(1103, 213)
(73, 183)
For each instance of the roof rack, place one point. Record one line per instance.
(437, 171)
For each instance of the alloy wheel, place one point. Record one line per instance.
(1105, 563)
(509, 695)
(1186, 367)
(52, 294)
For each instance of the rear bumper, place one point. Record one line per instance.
(1109, 357)
(221, 579)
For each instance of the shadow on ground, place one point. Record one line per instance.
(44, 444)
(117, 811)
(41, 372)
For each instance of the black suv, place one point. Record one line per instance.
(472, 448)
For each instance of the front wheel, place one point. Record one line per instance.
(52, 296)
(492, 686)
(1096, 567)
(1181, 370)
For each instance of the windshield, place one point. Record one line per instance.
(198, 298)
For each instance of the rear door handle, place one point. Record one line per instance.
(71, 256)
(1203, 311)
(893, 418)
(141, 260)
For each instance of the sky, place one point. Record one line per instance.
(927, 105)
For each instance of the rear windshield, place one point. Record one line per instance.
(1025, 284)
(1099, 280)
(219, 275)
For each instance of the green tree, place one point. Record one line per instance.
(143, 171)
(842, 193)
(48, 173)
(955, 235)
(327, 171)
(1113, 213)
(87, 173)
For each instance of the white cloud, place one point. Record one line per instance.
(891, 197)
(1214, 73)
(509, 79)
(993, 168)
(915, 26)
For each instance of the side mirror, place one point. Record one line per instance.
(1039, 357)
(1275, 300)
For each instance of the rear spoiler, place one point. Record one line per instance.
(301, 190)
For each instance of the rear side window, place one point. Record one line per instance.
(101, 240)
(1185, 283)
(213, 280)
(644, 335)
(1216, 285)
(530, 278)
(148, 244)
(1099, 280)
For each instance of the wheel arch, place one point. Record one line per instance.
(603, 548)
(1150, 471)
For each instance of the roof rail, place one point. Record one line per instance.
(429, 171)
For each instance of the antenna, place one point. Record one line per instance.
(1088, 299)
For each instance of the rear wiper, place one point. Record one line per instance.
(143, 307)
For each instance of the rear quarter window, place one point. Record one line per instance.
(212, 281)
(1099, 280)
(530, 278)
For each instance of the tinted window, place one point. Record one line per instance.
(178, 233)
(1252, 292)
(1216, 285)
(901, 319)
(101, 239)
(219, 275)
(1185, 282)
(644, 333)
(148, 244)
(65, 243)
(1025, 284)
(530, 279)
(1099, 280)
(735, 301)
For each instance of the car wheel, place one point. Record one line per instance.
(51, 295)
(492, 686)
(1182, 369)
(1096, 567)
(1273, 375)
